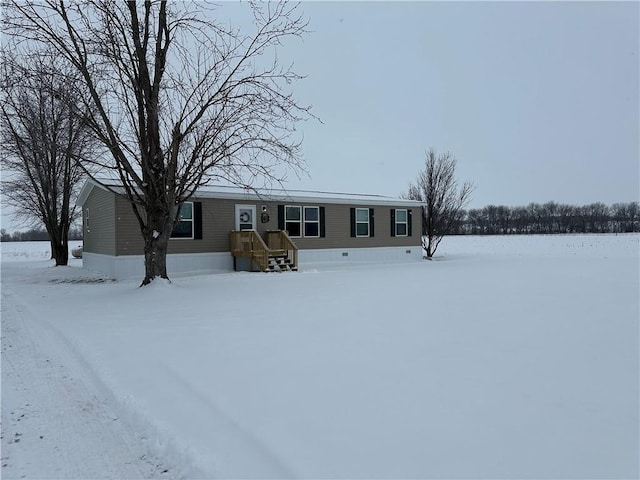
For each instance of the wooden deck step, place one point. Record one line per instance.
(281, 254)
(280, 263)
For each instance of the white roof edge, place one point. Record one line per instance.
(275, 195)
(310, 198)
(91, 183)
(85, 191)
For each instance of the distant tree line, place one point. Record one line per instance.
(36, 235)
(549, 218)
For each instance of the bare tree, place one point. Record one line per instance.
(178, 99)
(443, 201)
(43, 138)
(625, 216)
(553, 218)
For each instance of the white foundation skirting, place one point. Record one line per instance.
(132, 266)
(352, 255)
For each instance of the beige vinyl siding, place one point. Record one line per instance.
(338, 228)
(128, 237)
(218, 220)
(99, 236)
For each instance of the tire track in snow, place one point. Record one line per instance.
(239, 453)
(56, 423)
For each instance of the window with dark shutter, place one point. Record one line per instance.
(362, 222)
(184, 227)
(311, 221)
(401, 222)
(293, 220)
(302, 221)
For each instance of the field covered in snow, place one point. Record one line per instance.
(505, 357)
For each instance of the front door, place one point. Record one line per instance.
(245, 217)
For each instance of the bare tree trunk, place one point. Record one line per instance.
(156, 232)
(155, 256)
(432, 245)
(59, 245)
(430, 249)
(61, 252)
(428, 220)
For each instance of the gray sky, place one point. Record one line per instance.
(538, 101)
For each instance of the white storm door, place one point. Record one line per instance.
(245, 217)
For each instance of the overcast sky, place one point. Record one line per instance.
(538, 101)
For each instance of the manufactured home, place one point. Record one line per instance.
(229, 228)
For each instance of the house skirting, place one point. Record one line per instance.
(352, 255)
(128, 267)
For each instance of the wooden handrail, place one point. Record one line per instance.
(290, 247)
(247, 243)
(280, 240)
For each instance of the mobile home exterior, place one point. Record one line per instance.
(325, 227)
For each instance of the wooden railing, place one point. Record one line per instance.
(280, 240)
(247, 243)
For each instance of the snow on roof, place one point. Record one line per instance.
(232, 192)
(286, 195)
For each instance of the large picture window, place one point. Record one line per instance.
(311, 221)
(184, 227)
(293, 220)
(302, 221)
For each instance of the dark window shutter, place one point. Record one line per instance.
(353, 222)
(393, 222)
(280, 217)
(371, 215)
(409, 218)
(197, 220)
(322, 224)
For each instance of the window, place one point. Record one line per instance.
(311, 221)
(293, 220)
(302, 221)
(362, 222)
(86, 219)
(184, 227)
(401, 223)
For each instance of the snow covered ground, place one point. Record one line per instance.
(506, 357)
